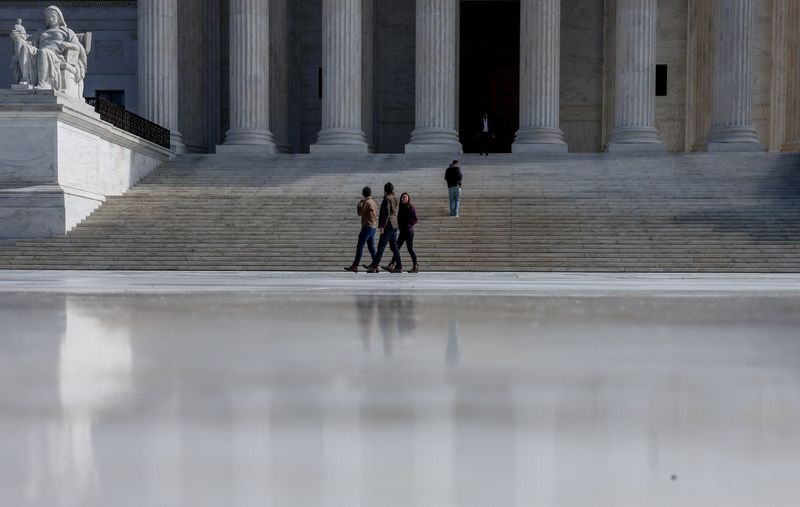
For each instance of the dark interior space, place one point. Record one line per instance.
(489, 79)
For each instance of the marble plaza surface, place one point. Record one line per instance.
(294, 389)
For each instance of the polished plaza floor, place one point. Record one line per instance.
(436, 390)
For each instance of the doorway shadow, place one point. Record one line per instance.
(489, 73)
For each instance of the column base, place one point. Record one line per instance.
(712, 147)
(635, 140)
(249, 136)
(340, 140)
(246, 149)
(434, 148)
(733, 139)
(176, 142)
(539, 140)
(434, 140)
(325, 149)
(793, 145)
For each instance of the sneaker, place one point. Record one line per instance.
(352, 269)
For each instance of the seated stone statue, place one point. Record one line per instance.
(54, 59)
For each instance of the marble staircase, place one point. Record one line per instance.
(594, 212)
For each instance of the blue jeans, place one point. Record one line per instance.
(389, 236)
(455, 198)
(367, 235)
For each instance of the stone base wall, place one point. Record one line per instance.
(59, 162)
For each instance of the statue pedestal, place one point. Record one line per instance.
(59, 162)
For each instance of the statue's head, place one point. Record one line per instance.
(53, 17)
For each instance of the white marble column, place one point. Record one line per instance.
(249, 79)
(368, 9)
(158, 65)
(279, 81)
(436, 73)
(635, 76)
(732, 105)
(792, 36)
(539, 76)
(341, 79)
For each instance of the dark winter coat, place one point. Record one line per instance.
(406, 217)
(453, 176)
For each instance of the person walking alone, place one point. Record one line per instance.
(368, 211)
(406, 219)
(453, 177)
(387, 226)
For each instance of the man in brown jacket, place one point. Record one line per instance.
(387, 226)
(368, 211)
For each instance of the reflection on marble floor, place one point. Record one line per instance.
(398, 400)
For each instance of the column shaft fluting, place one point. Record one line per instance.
(635, 74)
(732, 105)
(158, 65)
(540, 55)
(793, 84)
(341, 78)
(279, 73)
(436, 68)
(249, 75)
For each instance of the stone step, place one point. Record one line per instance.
(700, 212)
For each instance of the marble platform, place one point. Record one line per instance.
(208, 389)
(59, 162)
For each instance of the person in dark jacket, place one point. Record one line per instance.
(406, 219)
(453, 178)
(368, 211)
(387, 227)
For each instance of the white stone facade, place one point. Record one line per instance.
(393, 80)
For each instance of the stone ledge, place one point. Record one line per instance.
(41, 104)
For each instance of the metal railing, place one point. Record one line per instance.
(129, 122)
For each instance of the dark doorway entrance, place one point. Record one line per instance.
(489, 78)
